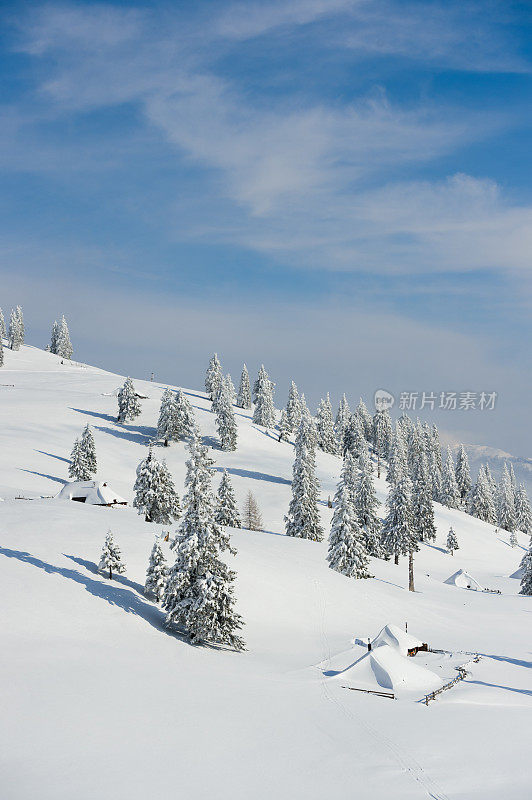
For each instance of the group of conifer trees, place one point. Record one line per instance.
(15, 333)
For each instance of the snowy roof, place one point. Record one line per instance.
(386, 667)
(464, 580)
(96, 493)
(395, 637)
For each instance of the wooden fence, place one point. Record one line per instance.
(462, 673)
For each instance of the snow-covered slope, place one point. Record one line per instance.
(101, 701)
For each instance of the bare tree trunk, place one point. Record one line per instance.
(396, 559)
(411, 571)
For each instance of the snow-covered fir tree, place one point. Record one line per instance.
(422, 508)
(435, 477)
(63, 345)
(252, 518)
(365, 419)
(78, 469)
(226, 508)
(243, 399)
(491, 480)
(506, 502)
(88, 447)
(347, 552)
(343, 416)
(325, 427)
(166, 424)
(225, 418)
(1, 352)
(293, 408)
(452, 542)
(350, 475)
(526, 579)
(185, 423)
(155, 494)
(111, 558)
(513, 539)
(305, 411)
(230, 388)
(3, 330)
(381, 436)
(128, 402)
(523, 512)
(264, 413)
(482, 503)
(398, 537)
(284, 427)
(397, 466)
(354, 440)
(463, 476)
(414, 448)
(213, 378)
(450, 496)
(366, 507)
(20, 317)
(157, 573)
(303, 518)
(53, 339)
(199, 595)
(15, 334)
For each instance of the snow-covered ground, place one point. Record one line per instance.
(99, 700)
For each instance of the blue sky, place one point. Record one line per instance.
(337, 188)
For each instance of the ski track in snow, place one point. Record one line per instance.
(406, 761)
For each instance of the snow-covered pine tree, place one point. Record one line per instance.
(450, 496)
(78, 469)
(341, 422)
(14, 335)
(226, 508)
(526, 580)
(284, 427)
(347, 552)
(53, 339)
(422, 508)
(293, 408)
(513, 479)
(354, 440)
(243, 399)
(225, 418)
(213, 378)
(305, 412)
(397, 534)
(303, 518)
(128, 402)
(230, 388)
(365, 420)
(506, 504)
(482, 505)
(325, 427)
(350, 475)
(22, 330)
(513, 539)
(491, 481)
(435, 478)
(88, 447)
(414, 448)
(185, 423)
(523, 512)
(2, 325)
(111, 558)
(366, 506)
(381, 432)
(252, 517)
(397, 466)
(452, 542)
(166, 425)
(63, 344)
(199, 594)
(264, 413)
(463, 476)
(157, 573)
(155, 494)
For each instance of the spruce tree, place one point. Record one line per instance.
(155, 494)
(523, 512)
(185, 423)
(422, 508)
(463, 476)
(452, 542)
(481, 504)
(347, 552)
(506, 504)
(526, 580)
(231, 392)
(199, 596)
(381, 435)
(293, 409)
(156, 574)
(226, 508)
(213, 378)
(15, 334)
(225, 418)
(365, 419)
(450, 496)
(343, 417)
(166, 425)
(513, 539)
(63, 344)
(366, 507)
(350, 475)
(111, 558)
(53, 340)
(128, 402)
(325, 428)
(284, 427)
(78, 469)
(88, 448)
(20, 317)
(252, 516)
(398, 537)
(244, 390)
(303, 518)
(264, 413)
(397, 466)
(1, 352)
(2, 325)
(354, 440)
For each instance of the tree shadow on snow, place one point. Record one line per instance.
(133, 433)
(435, 547)
(516, 661)
(99, 415)
(527, 692)
(91, 567)
(257, 476)
(44, 475)
(59, 458)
